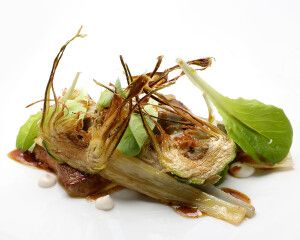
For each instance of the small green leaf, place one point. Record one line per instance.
(106, 96)
(71, 89)
(119, 89)
(263, 131)
(105, 99)
(137, 128)
(74, 106)
(78, 104)
(135, 134)
(28, 132)
(128, 144)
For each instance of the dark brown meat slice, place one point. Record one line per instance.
(76, 183)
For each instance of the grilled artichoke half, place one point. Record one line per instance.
(76, 132)
(196, 152)
(85, 139)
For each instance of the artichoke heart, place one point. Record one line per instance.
(196, 159)
(91, 139)
(189, 152)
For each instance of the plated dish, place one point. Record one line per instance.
(136, 137)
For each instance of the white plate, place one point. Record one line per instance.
(256, 45)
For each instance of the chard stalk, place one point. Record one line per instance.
(134, 174)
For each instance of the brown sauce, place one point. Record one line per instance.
(233, 170)
(237, 194)
(189, 212)
(28, 159)
(185, 141)
(243, 157)
(93, 197)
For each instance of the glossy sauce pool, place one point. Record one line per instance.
(28, 158)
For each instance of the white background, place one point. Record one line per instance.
(257, 51)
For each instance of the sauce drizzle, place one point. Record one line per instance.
(189, 212)
(237, 194)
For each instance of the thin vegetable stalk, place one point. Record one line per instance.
(134, 174)
(212, 190)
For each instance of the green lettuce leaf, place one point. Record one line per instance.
(28, 132)
(106, 96)
(105, 99)
(263, 131)
(119, 89)
(135, 135)
(78, 104)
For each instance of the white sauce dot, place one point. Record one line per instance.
(47, 180)
(241, 170)
(104, 203)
